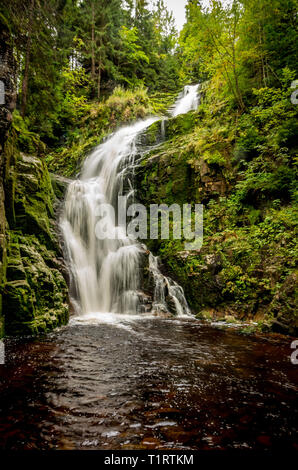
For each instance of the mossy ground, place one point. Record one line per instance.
(241, 168)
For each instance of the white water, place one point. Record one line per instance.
(166, 290)
(187, 101)
(106, 273)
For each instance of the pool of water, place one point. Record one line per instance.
(119, 382)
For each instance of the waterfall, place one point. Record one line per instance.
(166, 291)
(105, 273)
(187, 101)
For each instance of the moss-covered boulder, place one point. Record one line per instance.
(282, 312)
(35, 293)
(174, 171)
(34, 290)
(59, 185)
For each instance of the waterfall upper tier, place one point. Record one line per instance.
(187, 101)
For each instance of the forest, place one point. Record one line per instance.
(89, 91)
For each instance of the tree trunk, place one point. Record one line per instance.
(239, 94)
(99, 81)
(92, 42)
(27, 61)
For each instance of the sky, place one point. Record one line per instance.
(178, 9)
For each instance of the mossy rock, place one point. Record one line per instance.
(60, 185)
(33, 291)
(35, 294)
(181, 125)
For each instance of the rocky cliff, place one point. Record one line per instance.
(33, 291)
(245, 268)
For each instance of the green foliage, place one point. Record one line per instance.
(133, 55)
(250, 222)
(96, 121)
(28, 141)
(238, 47)
(75, 86)
(69, 54)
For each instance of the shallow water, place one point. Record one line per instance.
(123, 382)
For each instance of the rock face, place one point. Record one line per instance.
(169, 173)
(7, 77)
(243, 269)
(166, 175)
(33, 291)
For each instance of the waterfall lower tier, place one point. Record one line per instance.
(168, 295)
(106, 270)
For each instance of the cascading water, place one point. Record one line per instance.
(166, 291)
(106, 272)
(187, 101)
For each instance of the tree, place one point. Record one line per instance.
(98, 28)
(210, 37)
(132, 55)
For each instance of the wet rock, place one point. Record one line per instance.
(213, 263)
(35, 295)
(282, 312)
(59, 184)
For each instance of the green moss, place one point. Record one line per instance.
(250, 217)
(204, 315)
(33, 290)
(99, 120)
(181, 124)
(152, 135)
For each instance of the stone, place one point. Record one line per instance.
(59, 184)
(35, 294)
(213, 263)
